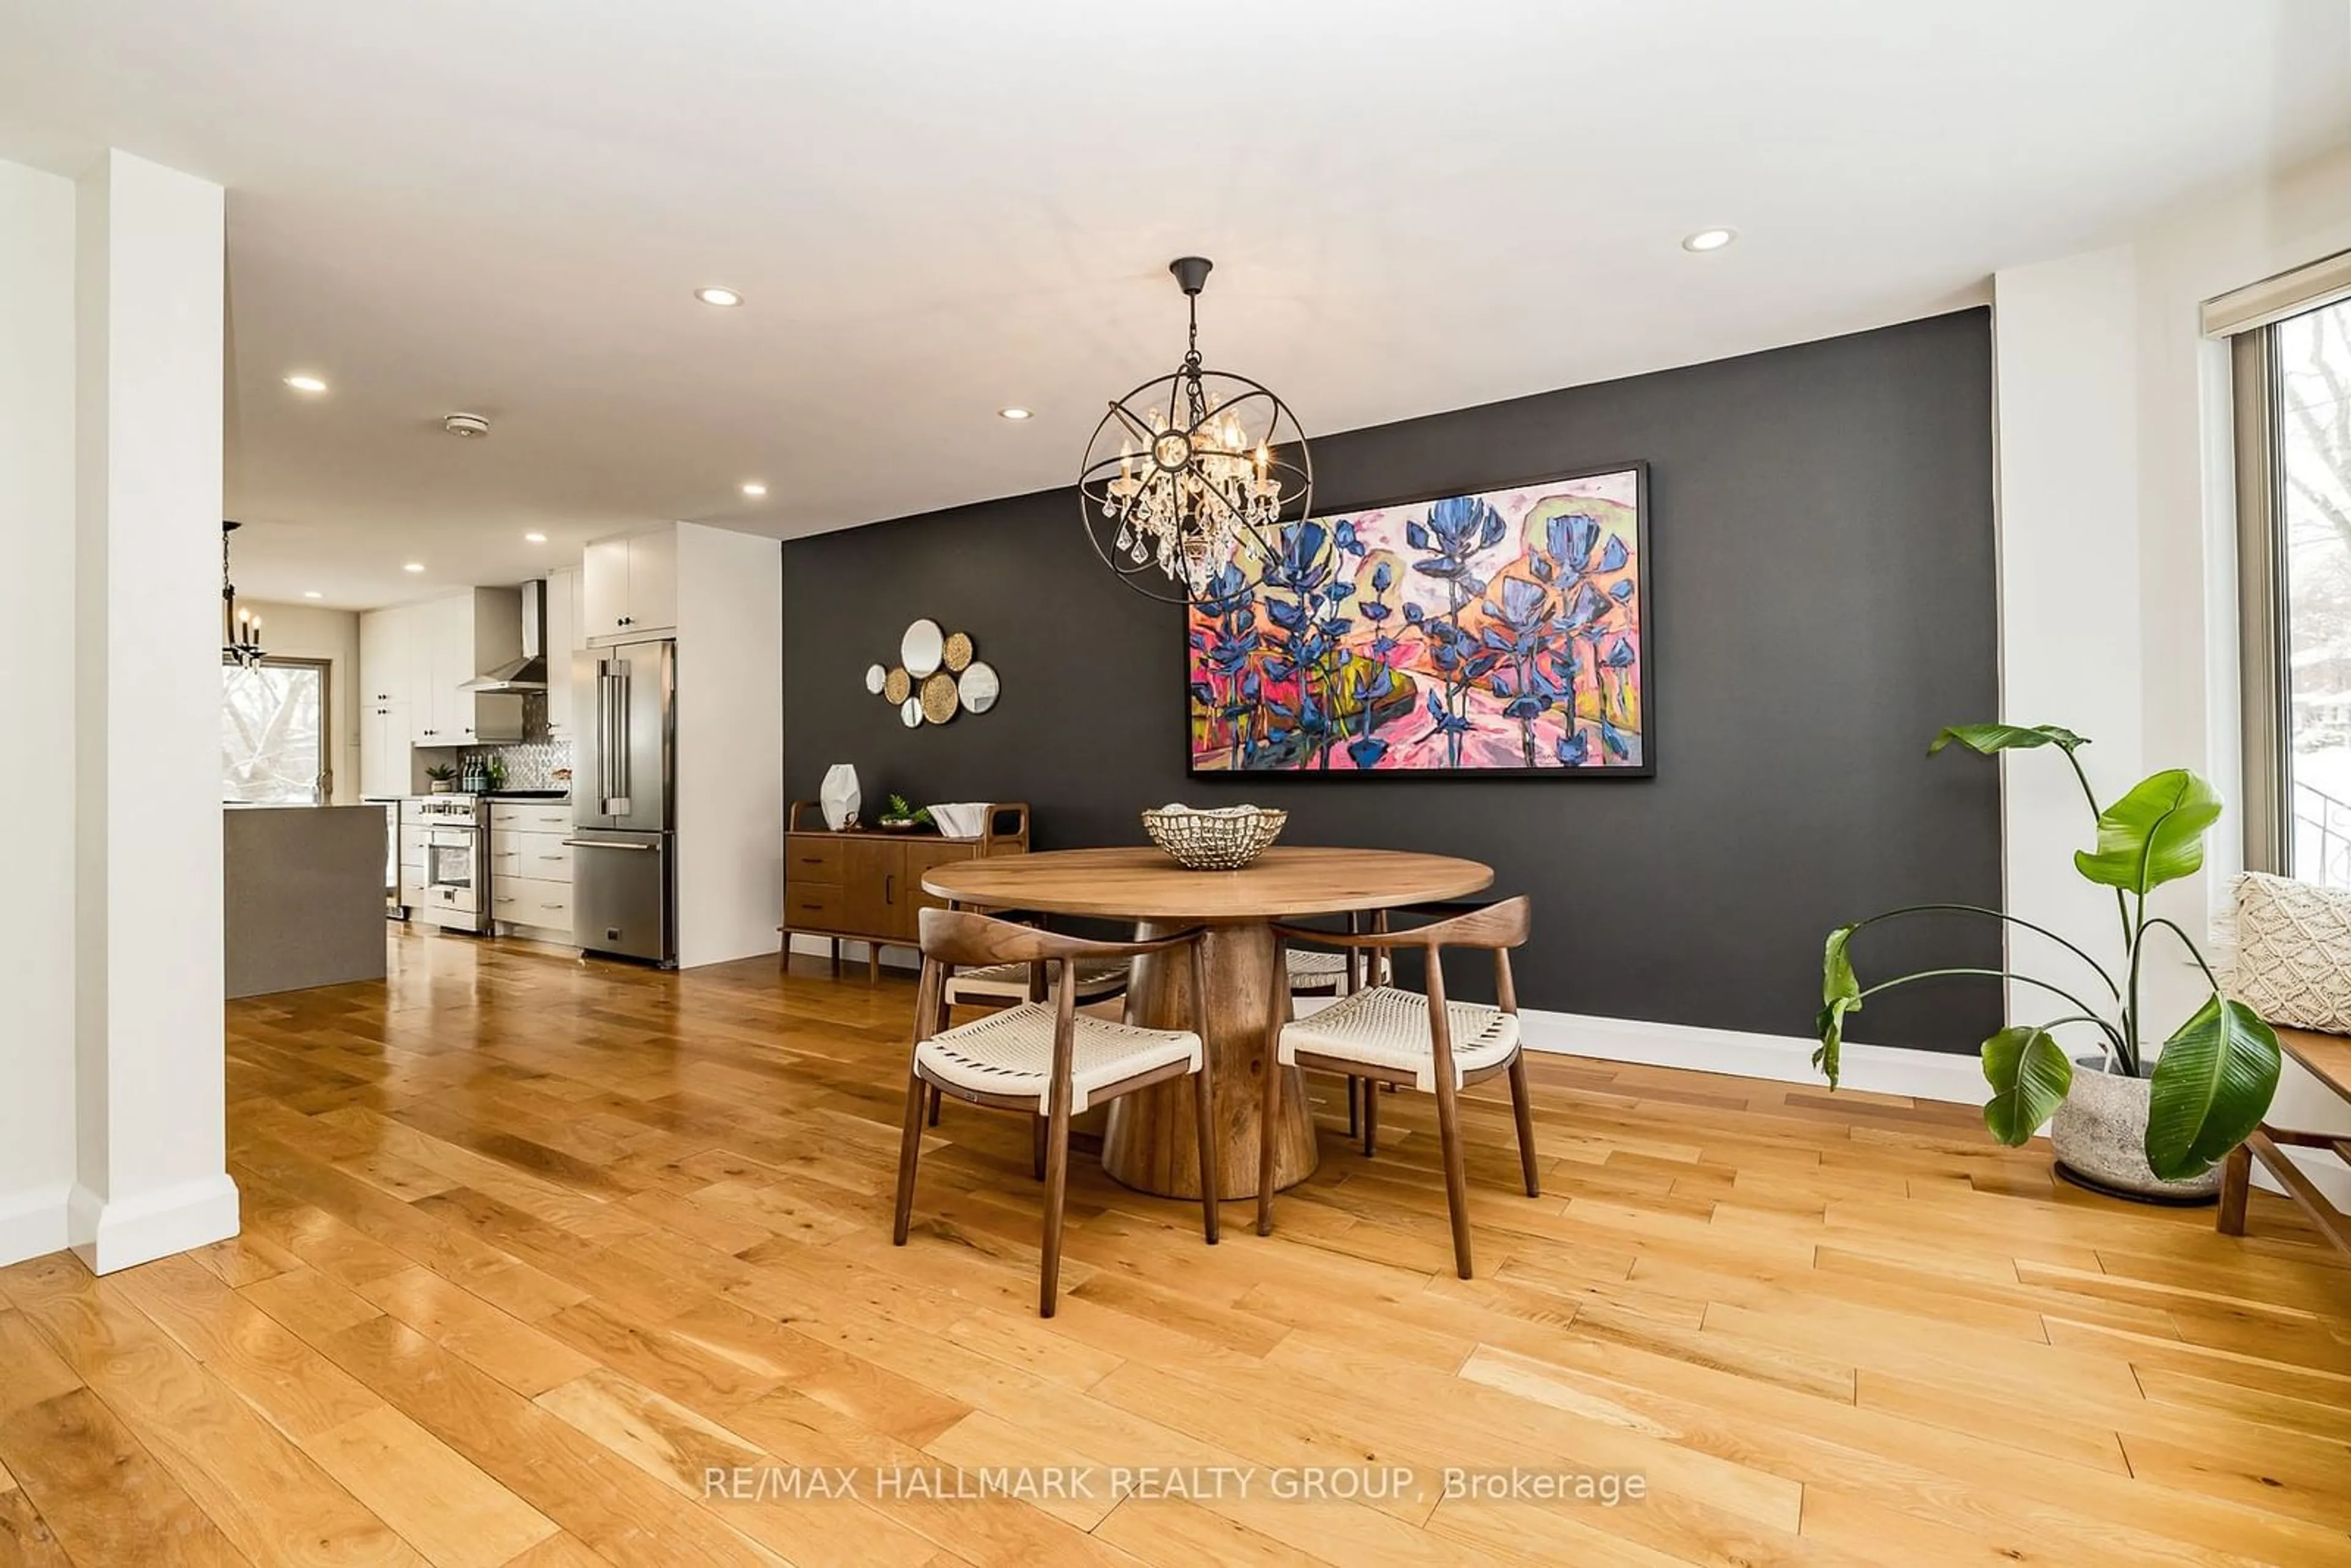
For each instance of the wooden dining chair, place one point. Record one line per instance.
(1046, 1060)
(1327, 972)
(1384, 1034)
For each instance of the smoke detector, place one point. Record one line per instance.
(466, 427)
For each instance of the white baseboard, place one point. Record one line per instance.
(126, 1233)
(1783, 1058)
(32, 1222)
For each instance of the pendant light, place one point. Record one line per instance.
(1192, 472)
(240, 628)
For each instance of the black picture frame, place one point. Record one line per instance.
(1644, 666)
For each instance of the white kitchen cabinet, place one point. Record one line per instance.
(454, 639)
(384, 728)
(563, 602)
(387, 654)
(530, 866)
(629, 587)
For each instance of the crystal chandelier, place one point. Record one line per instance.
(1192, 471)
(240, 628)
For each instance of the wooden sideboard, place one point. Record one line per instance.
(866, 884)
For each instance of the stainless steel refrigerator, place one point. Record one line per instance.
(622, 792)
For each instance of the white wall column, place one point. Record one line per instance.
(150, 1146)
(2067, 382)
(36, 533)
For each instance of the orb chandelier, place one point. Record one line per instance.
(1192, 471)
(240, 628)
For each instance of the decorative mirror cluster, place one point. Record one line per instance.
(936, 676)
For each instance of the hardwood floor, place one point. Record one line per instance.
(533, 1246)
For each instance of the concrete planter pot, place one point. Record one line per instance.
(2100, 1135)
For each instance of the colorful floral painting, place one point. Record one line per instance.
(1499, 632)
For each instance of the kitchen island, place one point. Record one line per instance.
(303, 887)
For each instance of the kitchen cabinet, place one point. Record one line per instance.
(387, 653)
(629, 587)
(530, 866)
(452, 640)
(562, 600)
(384, 728)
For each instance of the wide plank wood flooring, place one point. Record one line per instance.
(532, 1245)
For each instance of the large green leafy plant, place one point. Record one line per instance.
(2213, 1078)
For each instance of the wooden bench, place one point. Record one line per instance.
(2328, 1058)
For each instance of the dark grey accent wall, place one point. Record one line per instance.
(1821, 600)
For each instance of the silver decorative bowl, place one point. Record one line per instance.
(1224, 838)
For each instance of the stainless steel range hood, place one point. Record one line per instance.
(527, 673)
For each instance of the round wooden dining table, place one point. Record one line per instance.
(1150, 1142)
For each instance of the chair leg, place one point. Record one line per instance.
(1371, 1118)
(1057, 1181)
(1205, 1108)
(1522, 1108)
(836, 957)
(910, 1147)
(1269, 1118)
(1038, 1130)
(935, 1105)
(1457, 1176)
(2236, 1187)
(1354, 1106)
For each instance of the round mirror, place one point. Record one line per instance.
(910, 713)
(922, 648)
(874, 675)
(977, 686)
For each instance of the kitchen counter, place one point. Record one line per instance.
(303, 895)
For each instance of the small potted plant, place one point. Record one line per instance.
(900, 817)
(443, 778)
(2137, 1120)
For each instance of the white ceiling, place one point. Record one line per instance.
(936, 208)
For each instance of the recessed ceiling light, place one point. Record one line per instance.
(413, 566)
(754, 488)
(1012, 414)
(312, 593)
(306, 383)
(1709, 239)
(534, 539)
(717, 295)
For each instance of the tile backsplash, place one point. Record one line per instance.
(529, 765)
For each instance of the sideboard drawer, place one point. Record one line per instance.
(812, 857)
(816, 906)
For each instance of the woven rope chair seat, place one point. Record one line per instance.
(1011, 1053)
(1009, 982)
(1386, 1027)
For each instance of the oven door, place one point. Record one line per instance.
(452, 869)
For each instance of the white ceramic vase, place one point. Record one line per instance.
(838, 797)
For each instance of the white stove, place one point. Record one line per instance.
(451, 860)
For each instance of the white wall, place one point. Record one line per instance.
(36, 533)
(730, 744)
(310, 632)
(151, 1137)
(2152, 409)
(2064, 382)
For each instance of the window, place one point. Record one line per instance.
(273, 733)
(2291, 356)
(2312, 437)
